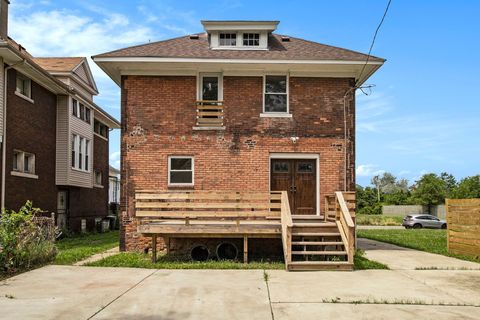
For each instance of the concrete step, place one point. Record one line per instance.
(320, 253)
(317, 243)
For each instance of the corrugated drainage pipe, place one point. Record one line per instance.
(227, 251)
(199, 253)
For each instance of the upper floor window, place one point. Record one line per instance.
(251, 39)
(24, 86)
(276, 94)
(23, 162)
(228, 39)
(180, 171)
(80, 152)
(80, 111)
(100, 129)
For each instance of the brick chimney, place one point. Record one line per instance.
(4, 18)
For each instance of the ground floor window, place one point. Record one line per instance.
(180, 171)
(23, 162)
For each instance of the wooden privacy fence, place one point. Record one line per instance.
(463, 221)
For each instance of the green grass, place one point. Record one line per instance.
(378, 220)
(140, 260)
(80, 247)
(434, 241)
(362, 263)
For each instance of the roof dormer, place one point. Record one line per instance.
(239, 35)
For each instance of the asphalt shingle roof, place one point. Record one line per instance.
(186, 47)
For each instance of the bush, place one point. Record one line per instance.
(376, 209)
(25, 240)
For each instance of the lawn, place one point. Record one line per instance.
(80, 247)
(378, 220)
(140, 260)
(434, 241)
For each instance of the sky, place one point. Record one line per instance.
(423, 115)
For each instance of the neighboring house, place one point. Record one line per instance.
(114, 186)
(54, 137)
(237, 108)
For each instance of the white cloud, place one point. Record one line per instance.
(368, 170)
(115, 159)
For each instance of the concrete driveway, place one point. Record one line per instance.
(69, 292)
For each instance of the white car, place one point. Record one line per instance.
(417, 221)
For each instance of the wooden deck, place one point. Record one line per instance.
(309, 242)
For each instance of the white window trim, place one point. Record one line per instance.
(286, 114)
(24, 174)
(228, 32)
(172, 184)
(200, 83)
(19, 94)
(85, 106)
(95, 184)
(21, 168)
(76, 137)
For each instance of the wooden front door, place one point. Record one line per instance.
(298, 177)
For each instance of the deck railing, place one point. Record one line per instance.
(209, 114)
(345, 220)
(287, 226)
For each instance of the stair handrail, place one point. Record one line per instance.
(287, 225)
(344, 217)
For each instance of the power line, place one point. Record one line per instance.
(373, 40)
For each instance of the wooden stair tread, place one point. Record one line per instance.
(316, 234)
(317, 243)
(313, 224)
(320, 253)
(305, 217)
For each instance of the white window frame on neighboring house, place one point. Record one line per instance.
(23, 87)
(98, 179)
(80, 153)
(24, 164)
(81, 111)
(181, 184)
(286, 114)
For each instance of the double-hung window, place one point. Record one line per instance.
(276, 94)
(80, 111)
(23, 162)
(80, 153)
(251, 39)
(228, 39)
(180, 171)
(24, 86)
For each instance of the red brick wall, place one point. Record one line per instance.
(31, 127)
(158, 116)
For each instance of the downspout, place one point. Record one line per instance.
(345, 136)
(4, 133)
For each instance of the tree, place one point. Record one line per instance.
(384, 184)
(468, 188)
(450, 183)
(366, 197)
(429, 190)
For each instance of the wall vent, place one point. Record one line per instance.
(285, 39)
(194, 36)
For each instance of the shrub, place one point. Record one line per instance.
(25, 240)
(375, 209)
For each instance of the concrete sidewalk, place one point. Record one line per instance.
(67, 292)
(399, 258)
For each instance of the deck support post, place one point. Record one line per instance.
(154, 248)
(167, 244)
(245, 249)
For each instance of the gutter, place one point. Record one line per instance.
(4, 133)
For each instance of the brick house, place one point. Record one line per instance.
(236, 108)
(54, 138)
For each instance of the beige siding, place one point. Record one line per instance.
(80, 127)
(2, 73)
(63, 145)
(82, 73)
(81, 90)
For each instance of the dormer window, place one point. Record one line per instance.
(228, 39)
(251, 39)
